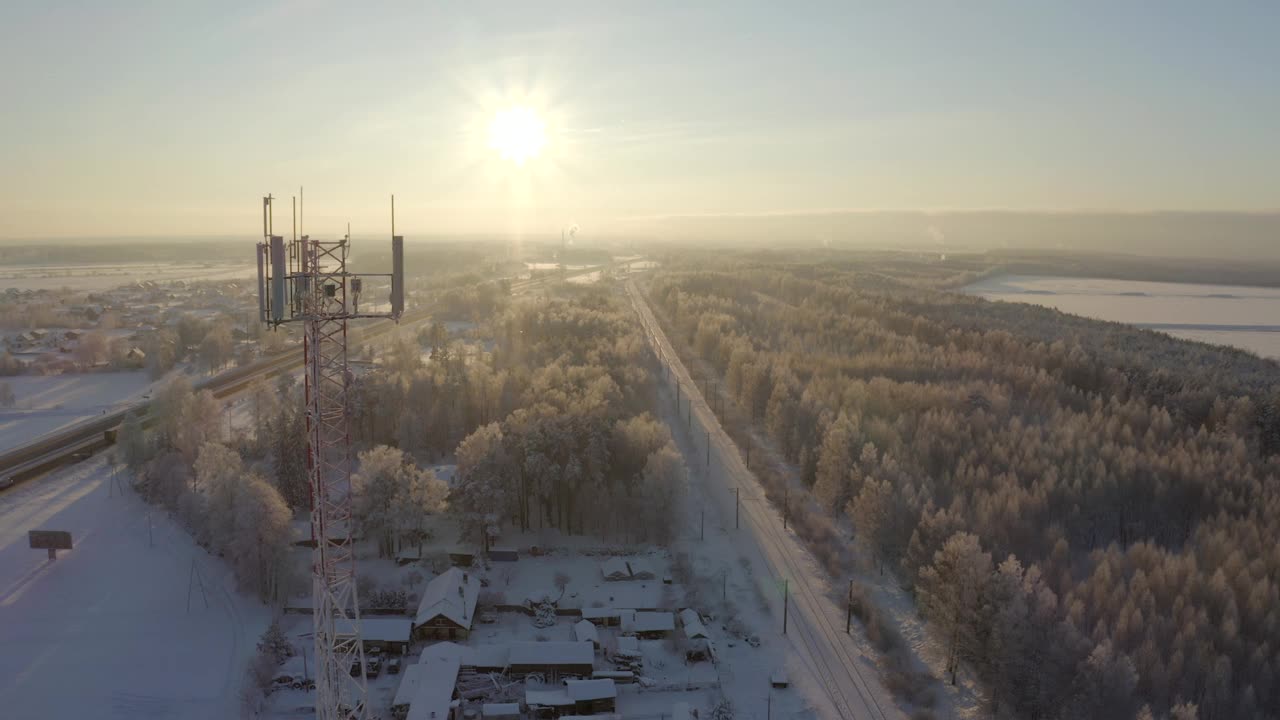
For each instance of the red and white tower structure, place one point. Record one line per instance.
(307, 281)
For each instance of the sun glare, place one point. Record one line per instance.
(517, 134)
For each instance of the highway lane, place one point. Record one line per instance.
(816, 622)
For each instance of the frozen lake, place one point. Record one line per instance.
(1243, 317)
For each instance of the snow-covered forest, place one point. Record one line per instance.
(1085, 512)
(549, 428)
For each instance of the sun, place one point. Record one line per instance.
(518, 134)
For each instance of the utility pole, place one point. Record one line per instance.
(848, 618)
(736, 505)
(786, 506)
(786, 602)
(702, 525)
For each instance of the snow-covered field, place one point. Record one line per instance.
(46, 403)
(1243, 317)
(103, 277)
(104, 631)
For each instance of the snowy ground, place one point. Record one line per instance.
(46, 403)
(104, 631)
(1243, 317)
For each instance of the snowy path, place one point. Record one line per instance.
(816, 623)
(103, 631)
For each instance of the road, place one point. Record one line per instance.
(816, 621)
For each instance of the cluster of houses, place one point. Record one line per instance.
(560, 678)
(127, 315)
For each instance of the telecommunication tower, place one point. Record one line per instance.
(306, 281)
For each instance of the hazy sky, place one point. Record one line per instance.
(130, 118)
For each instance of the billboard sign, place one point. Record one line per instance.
(51, 540)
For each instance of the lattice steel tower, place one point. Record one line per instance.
(307, 281)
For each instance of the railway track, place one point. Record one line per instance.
(87, 437)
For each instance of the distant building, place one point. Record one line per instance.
(577, 697)
(448, 606)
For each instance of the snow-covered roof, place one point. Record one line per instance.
(434, 692)
(615, 568)
(451, 594)
(584, 690)
(377, 629)
(547, 698)
(584, 631)
(628, 644)
(648, 622)
(600, 613)
(693, 627)
(448, 650)
(491, 655)
(640, 569)
(555, 652)
(500, 710)
(411, 678)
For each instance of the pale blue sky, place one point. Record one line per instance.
(131, 118)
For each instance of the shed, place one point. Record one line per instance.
(602, 616)
(408, 555)
(500, 711)
(547, 703)
(445, 650)
(592, 696)
(692, 623)
(619, 677)
(649, 625)
(390, 634)
(584, 631)
(504, 554)
(555, 658)
(448, 606)
(426, 690)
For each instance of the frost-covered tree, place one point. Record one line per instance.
(950, 592)
(134, 444)
(419, 496)
(659, 503)
(259, 547)
(483, 490)
(198, 423)
(835, 460)
(375, 487)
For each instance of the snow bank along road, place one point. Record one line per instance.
(816, 621)
(103, 631)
